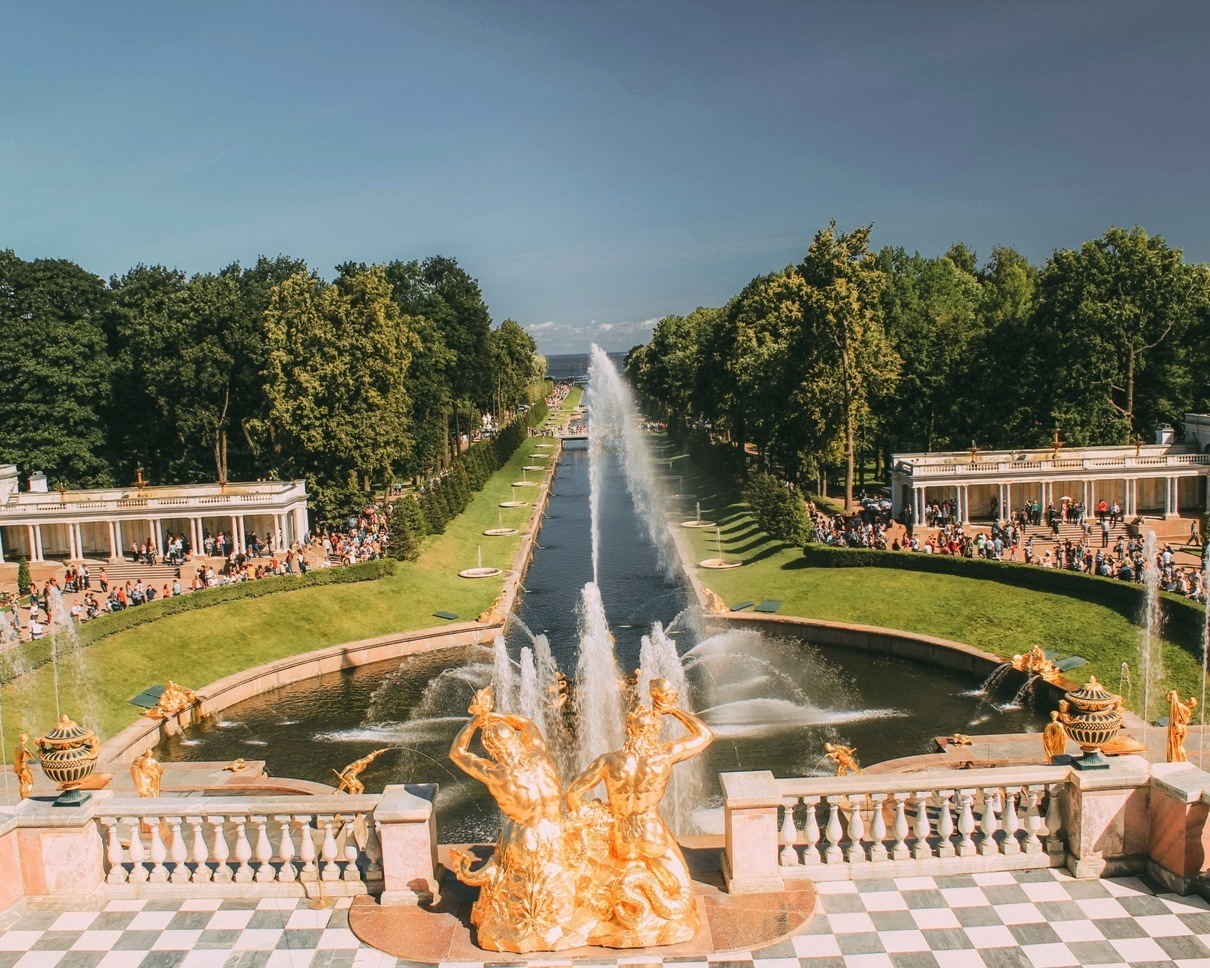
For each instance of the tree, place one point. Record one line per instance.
(1106, 313)
(842, 311)
(512, 354)
(58, 386)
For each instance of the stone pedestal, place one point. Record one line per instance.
(1178, 836)
(407, 829)
(750, 862)
(1106, 821)
(60, 849)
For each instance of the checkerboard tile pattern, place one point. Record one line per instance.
(1043, 919)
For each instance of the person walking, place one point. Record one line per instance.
(1104, 533)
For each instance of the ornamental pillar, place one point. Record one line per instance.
(38, 542)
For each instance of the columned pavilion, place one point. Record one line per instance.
(102, 523)
(1164, 478)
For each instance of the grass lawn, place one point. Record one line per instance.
(989, 615)
(199, 647)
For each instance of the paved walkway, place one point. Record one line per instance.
(1030, 918)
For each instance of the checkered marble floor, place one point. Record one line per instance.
(1030, 918)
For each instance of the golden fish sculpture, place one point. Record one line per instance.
(606, 872)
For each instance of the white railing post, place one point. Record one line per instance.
(856, 832)
(285, 851)
(789, 834)
(810, 831)
(966, 822)
(178, 853)
(264, 851)
(834, 832)
(878, 828)
(923, 849)
(201, 854)
(989, 824)
(220, 852)
(751, 860)
(1010, 823)
(945, 824)
(900, 850)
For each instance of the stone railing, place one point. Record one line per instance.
(959, 467)
(891, 825)
(263, 840)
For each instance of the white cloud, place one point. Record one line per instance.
(555, 337)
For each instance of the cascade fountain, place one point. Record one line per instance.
(504, 677)
(599, 714)
(697, 521)
(1150, 663)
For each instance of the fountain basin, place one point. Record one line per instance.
(698, 524)
(514, 504)
(719, 564)
(500, 532)
(533, 467)
(480, 573)
(526, 483)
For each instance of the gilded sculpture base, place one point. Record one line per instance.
(605, 873)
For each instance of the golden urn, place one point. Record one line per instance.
(1095, 721)
(68, 754)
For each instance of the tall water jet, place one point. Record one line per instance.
(529, 701)
(71, 672)
(1205, 647)
(599, 723)
(504, 677)
(1151, 664)
(615, 425)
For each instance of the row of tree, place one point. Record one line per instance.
(852, 354)
(249, 373)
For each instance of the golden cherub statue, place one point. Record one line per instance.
(350, 776)
(528, 887)
(845, 758)
(960, 739)
(1054, 736)
(173, 700)
(146, 772)
(714, 603)
(1035, 663)
(638, 888)
(21, 760)
(1180, 714)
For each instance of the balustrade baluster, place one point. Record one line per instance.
(285, 851)
(264, 850)
(328, 869)
(353, 841)
(1010, 823)
(966, 822)
(177, 852)
(989, 824)
(923, 849)
(945, 824)
(114, 853)
(159, 853)
(1054, 820)
(243, 850)
(306, 850)
(834, 832)
(810, 832)
(138, 870)
(1033, 820)
(900, 850)
(856, 831)
(789, 833)
(201, 854)
(373, 850)
(877, 827)
(220, 851)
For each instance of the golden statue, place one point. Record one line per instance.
(173, 701)
(714, 603)
(146, 772)
(528, 887)
(1035, 663)
(494, 614)
(1054, 736)
(236, 766)
(1180, 714)
(634, 878)
(961, 739)
(21, 760)
(350, 776)
(845, 758)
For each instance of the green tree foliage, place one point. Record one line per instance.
(23, 579)
(512, 364)
(57, 377)
(779, 511)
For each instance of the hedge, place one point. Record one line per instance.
(1183, 619)
(34, 654)
(779, 511)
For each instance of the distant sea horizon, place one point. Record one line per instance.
(573, 366)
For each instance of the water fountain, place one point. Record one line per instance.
(1201, 754)
(719, 563)
(1150, 665)
(500, 530)
(697, 522)
(525, 481)
(479, 571)
(513, 502)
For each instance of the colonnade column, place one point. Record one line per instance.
(1, 544)
(75, 540)
(1007, 509)
(1172, 506)
(1091, 505)
(113, 542)
(119, 538)
(158, 526)
(38, 542)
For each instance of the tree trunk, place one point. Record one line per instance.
(1130, 394)
(848, 418)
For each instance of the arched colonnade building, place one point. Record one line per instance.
(103, 523)
(1164, 478)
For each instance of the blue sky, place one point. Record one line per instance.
(595, 165)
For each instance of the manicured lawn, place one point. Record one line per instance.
(999, 618)
(199, 647)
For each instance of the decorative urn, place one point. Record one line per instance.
(68, 754)
(1095, 721)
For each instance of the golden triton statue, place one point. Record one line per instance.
(146, 772)
(350, 776)
(1180, 714)
(634, 878)
(845, 758)
(1035, 663)
(173, 701)
(527, 889)
(21, 760)
(1054, 736)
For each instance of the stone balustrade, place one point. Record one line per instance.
(262, 840)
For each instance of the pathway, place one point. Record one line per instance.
(1029, 918)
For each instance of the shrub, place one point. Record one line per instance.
(403, 536)
(779, 511)
(23, 580)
